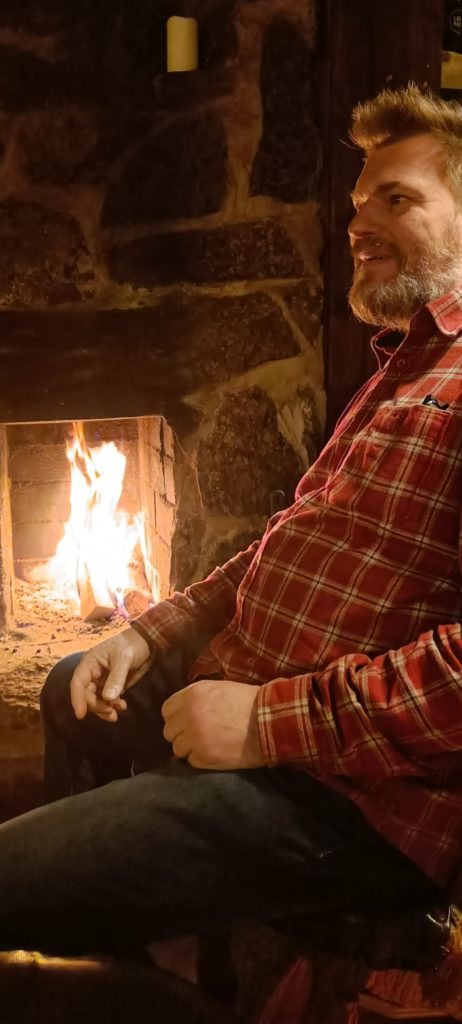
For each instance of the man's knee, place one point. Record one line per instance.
(55, 697)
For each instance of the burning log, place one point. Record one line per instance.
(93, 607)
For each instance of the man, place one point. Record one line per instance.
(317, 736)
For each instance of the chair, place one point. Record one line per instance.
(402, 964)
(405, 964)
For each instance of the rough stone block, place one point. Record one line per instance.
(207, 339)
(27, 82)
(245, 458)
(186, 549)
(254, 251)
(43, 257)
(180, 172)
(56, 144)
(77, 144)
(218, 549)
(288, 161)
(304, 303)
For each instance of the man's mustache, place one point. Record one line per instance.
(372, 247)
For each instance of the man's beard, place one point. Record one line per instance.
(424, 275)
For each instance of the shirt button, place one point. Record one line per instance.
(401, 364)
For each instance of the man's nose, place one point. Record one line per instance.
(363, 222)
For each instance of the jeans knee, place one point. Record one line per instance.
(55, 695)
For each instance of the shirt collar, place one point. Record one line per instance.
(444, 313)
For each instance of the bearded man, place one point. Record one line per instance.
(310, 690)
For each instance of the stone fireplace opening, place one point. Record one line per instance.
(47, 615)
(59, 546)
(43, 618)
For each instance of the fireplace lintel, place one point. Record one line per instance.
(90, 365)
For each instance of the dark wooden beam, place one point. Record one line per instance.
(365, 45)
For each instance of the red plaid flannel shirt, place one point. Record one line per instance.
(347, 613)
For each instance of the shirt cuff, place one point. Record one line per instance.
(284, 728)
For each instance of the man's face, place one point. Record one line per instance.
(406, 235)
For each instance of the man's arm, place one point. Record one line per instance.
(211, 603)
(114, 665)
(380, 717)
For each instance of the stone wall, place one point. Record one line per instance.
(160, 242)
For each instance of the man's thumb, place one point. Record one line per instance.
(115, 682)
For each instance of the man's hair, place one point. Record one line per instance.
(398, 114)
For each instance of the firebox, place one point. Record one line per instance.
(87, 518)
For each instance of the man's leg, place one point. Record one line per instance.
(174, 849)
(81, 755)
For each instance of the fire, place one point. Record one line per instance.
(97, 554)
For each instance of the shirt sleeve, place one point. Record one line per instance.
(398, 714)
(209, 604)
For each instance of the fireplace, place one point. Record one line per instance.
(160, 277)
(42, 620)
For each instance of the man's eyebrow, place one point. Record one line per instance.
(387, 186)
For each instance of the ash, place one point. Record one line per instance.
(47, 627)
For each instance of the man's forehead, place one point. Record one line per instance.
(415, 161)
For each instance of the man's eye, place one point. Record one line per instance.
(396, 198)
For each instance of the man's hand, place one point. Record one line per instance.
(213, 724)
(105, 672)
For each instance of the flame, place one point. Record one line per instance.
(96, 553)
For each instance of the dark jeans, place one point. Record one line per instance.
(173, 848)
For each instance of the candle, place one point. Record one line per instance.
(182, 48)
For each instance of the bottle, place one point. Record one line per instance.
(451, 62)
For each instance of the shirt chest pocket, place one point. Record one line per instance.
(404, 458)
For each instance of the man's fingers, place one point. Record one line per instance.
(172, 704)
(115, 682)
(181, 746)
(172, 728)
(81, 683)
(102, 674)
(109, 715)
(107, 710)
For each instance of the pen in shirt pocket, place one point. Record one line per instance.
(430, 400)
